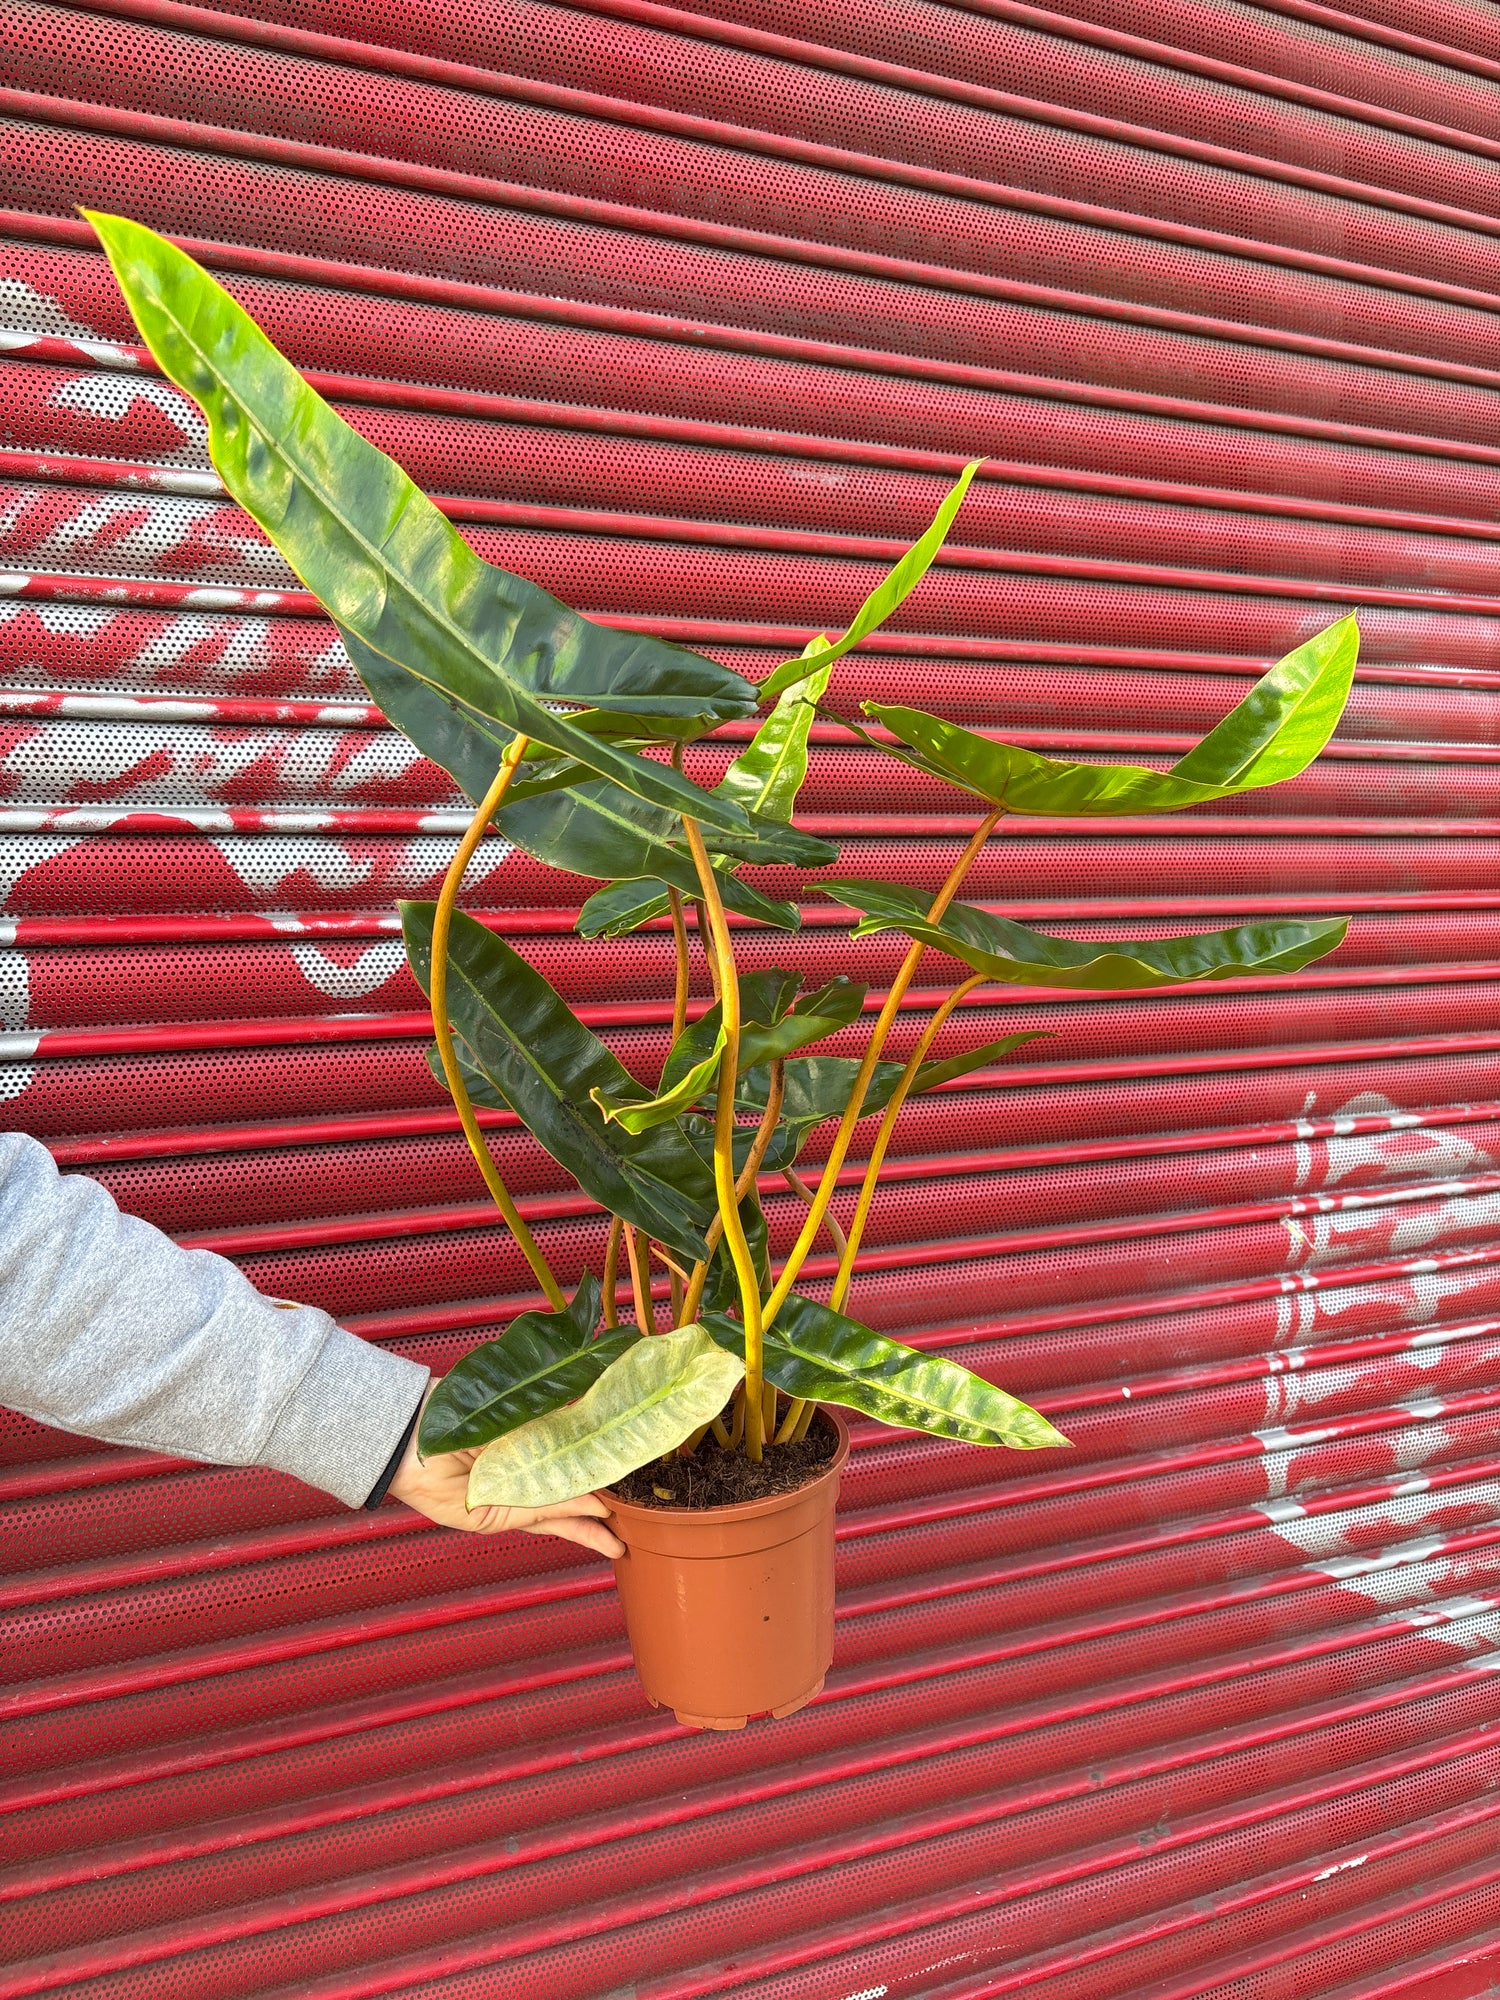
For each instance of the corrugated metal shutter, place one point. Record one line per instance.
(691, 316)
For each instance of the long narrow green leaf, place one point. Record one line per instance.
(622, 907)
(765, 779)
(883, 599)
(541, 1362)
(1275, 732)
(541, 1061)
(770, 1026)
(384, 562)
(640, 1114)
(767, 1036)
(644, 1404)
(768, 773)
(599, 830)
(1022, 957)
(931, 1074)
(468, 745)
(821, 1356)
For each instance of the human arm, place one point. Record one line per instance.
(111, 1330)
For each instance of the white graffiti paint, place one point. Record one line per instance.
(265, 865)
(112, 397)
(19, 856)
(62, 621)
(15, 1080)
(180, 763)
(1471, 1624)
(369, 972)
(27, 310)
(15, 990)
(1326, 1536)
(1341, 1867)
(140, 533)
(1415, 1299)
(1410, 1445)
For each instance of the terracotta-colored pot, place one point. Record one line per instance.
(730, 1609)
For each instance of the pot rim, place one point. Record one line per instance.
(744, 1510)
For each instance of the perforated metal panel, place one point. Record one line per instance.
(691, 316)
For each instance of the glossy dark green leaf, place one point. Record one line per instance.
(885, 598)
(819, 1355)
(639, 1114)
(561, 814)
(768, 1030)
(622, 907)
(1011, 952)
(601, 831)
(771, 1025)
(1275, 732)
(541, 1362)
(765, 779)
(387, 566)
(816, 1089)
(541, 1061)
(930, 1074)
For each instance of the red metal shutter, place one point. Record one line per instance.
(691, 315)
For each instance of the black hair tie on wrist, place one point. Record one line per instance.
(379, 1490)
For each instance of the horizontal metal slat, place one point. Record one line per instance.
(285, 1735)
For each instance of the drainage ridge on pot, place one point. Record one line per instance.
(730, 1609)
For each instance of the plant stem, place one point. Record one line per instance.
(883, 1138)
(795, 1423)
(799, 1186)
(829, 1179)
(442, 923)
(724, 1175)
(612, 1271)
(764, 1134)
(791, 1420)
(713, 964)
(645, 1319)
(680, 940)
(677, 1279)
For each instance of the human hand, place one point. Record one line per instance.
(439, 1487)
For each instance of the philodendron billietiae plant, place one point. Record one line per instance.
(567, 736)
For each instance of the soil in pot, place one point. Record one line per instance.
(714, 1477)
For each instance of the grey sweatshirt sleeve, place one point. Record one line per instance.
(107, 1328)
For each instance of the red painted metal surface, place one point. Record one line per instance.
(690, 314)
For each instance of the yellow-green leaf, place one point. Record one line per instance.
(640, 1114)
(1275, 732)
(823, 1357)
(887, 595)
(643, 1405)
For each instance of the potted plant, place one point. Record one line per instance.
(718, 1439)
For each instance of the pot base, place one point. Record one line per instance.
(739, 1721)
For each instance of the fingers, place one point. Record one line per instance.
(579, 1528)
